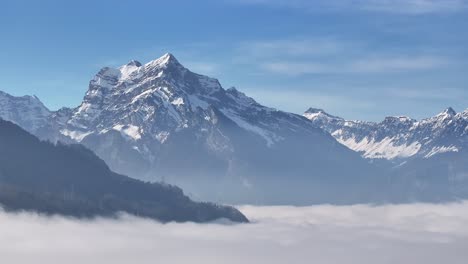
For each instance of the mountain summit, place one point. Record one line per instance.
(447, 113)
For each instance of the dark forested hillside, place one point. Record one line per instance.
(71, 180)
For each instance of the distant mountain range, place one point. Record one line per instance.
(397, 137)
(161, 122)
(71, 180)
(427, 159)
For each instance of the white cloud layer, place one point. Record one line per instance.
(417, 233)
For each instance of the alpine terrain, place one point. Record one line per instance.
(398, 137)
(428, 159)
(161, 122)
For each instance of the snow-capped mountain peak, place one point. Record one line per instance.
(240, 97)
(316, 113)
(131, 72)
(161, 97)
(166, 64)
(134, 63)
(397, 122)
(161, 84)
(164, 61)
(312, 110)
(128, 69)
(140, 117)
(398, 137)
(463, 114)
(26, 111)
(447, 113)
(402, 119)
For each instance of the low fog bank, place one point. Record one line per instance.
(415, 233)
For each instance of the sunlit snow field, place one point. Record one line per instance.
(416, 233)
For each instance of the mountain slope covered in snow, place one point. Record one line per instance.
(400, 137)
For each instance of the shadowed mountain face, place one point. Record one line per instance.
(71, 180)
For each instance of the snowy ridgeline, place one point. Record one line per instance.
(398, 137)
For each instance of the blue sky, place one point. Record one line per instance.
(360, 59)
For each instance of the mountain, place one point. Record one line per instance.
(426, 159)
(398, 138)
(161, 122)
(71, 180)
(27, 111)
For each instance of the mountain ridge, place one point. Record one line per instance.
(398, 137)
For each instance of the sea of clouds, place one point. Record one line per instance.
(414, 233)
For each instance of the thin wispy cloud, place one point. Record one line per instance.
(451, 94)
(369, 65)
(416, 233)
(322, 71)
(408, 7)
(333, 55)
(414, 6)
(392, 64)
(292, 47)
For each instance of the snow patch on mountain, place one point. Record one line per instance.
(129, 131)
(441, 149)
(178, 101)
(269, 137)
(75, 134)
(386, 148)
